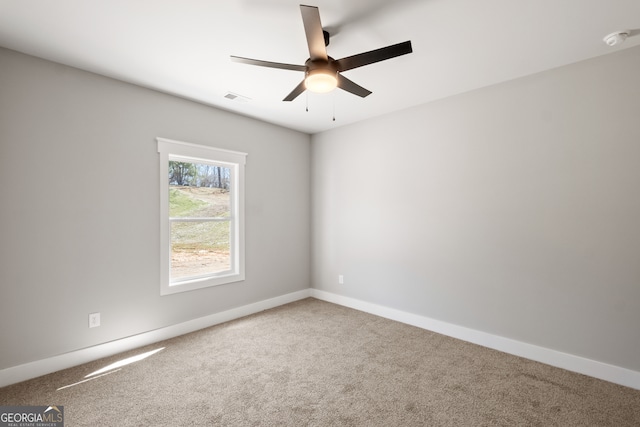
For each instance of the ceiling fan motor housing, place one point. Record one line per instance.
(320, 64)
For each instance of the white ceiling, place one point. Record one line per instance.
(182, 47)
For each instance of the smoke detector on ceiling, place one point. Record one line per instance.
(616, 38)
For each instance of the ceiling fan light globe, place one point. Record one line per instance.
(321, 81)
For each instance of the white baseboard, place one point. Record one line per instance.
(592, 368)
(611, 373)
(35, 369)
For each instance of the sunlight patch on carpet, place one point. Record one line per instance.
(125, 362)
(84, 381)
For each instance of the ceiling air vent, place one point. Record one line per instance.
(235, 97)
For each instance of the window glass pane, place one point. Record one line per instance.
(199, 190)
(199, 248)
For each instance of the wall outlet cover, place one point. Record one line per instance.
(94, 320)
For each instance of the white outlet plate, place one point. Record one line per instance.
(94, 320)
(341, 279)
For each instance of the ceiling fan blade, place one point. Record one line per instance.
(346, 84)
(295, 92)
(313, 30)
(268, 64)
(355, 61)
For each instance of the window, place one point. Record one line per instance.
(202, 216)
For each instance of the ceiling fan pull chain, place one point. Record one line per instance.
(334, 106)
(307, 102)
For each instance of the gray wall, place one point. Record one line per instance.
(79, 217)
(513, 209)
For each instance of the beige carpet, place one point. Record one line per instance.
(312, 363)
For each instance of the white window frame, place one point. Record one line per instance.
(169, 149)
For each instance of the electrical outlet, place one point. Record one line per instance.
(341, 279)
(94, 320)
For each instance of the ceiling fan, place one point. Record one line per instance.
(322, 72)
